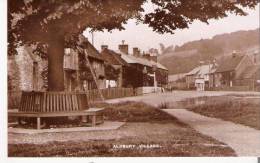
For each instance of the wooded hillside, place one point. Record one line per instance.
(186, 57)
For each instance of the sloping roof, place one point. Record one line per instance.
(112, 57)
(132, 59)
(229, 63)
(194, 71)
(249, 72)
(201, 70)
(159, 65)
(205, 69)
(93, 52)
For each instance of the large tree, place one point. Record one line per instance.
(52, 22)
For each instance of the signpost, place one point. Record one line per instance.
(154, 78)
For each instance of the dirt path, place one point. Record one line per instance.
(244, 140)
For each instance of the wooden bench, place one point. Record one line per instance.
(92, 112)
(55, 104)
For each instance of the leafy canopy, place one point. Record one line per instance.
(43, 21)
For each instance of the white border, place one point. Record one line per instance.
(3, 80)
(141, 159)
(3, 122)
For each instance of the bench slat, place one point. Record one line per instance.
(63, 101)
(53, 101)
(75, 103)
(48, 103)
(96, 111)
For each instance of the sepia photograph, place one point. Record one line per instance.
(139, 78)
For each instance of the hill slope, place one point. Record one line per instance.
(188, 56)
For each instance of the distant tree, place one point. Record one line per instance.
(51, 22)
(111, 73)
(154, 51)
(164, 50)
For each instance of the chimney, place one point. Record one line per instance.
(234, 53)
(136, 52)
(123, 47)
(103, 47)
(154, 58)
(147, 56)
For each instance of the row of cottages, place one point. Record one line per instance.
(28, 71)
(111, 69)
(233, 72)
(199, 77)
(136, 69)
(236, 70)
(77, 74)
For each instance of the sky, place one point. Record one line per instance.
(143, 37)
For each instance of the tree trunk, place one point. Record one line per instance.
(55, 64)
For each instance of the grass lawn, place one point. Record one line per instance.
(148, 132)
(239, 109)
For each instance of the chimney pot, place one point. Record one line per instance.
(103, 47)
(123, 47)
(234, 53)
(136, 52)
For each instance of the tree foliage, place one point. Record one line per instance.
(111, 73)
(154, 51)
(164, 49)
(170, 15)
(41, 20)
(31, 21)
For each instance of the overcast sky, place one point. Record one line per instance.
(143, 37)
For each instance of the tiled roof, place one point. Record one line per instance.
(132, 59)
(92, 52)
(229, 63)
(201, 70)
(159, 65)
(112, 57)
(194, 71)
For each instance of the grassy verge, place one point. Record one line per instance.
(148, 132)
(238, 109)
(112, 148)
(136, 112)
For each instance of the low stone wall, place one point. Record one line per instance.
(147, 90)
